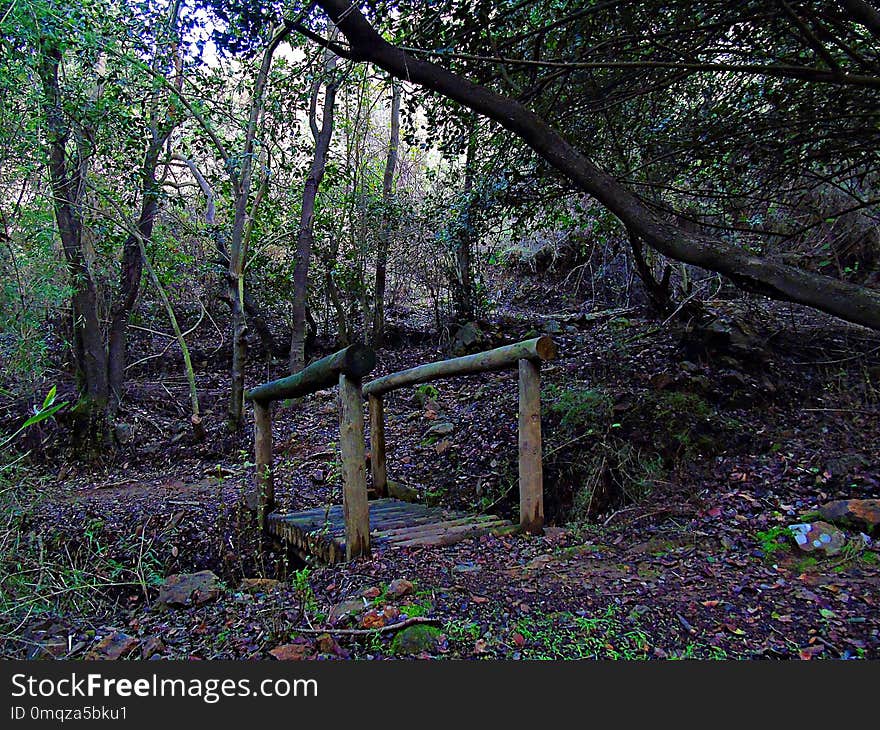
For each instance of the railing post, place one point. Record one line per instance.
(265, 487)
(377, 445)
(531, 479)
(355, 507)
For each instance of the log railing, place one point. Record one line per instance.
(345, 368)
(527, 356)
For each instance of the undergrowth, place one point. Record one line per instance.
(608, 450)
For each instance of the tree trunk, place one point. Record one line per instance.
(463, 284)
(251, 308)
(848, 301)
(91, 427)
(658, 292)
(343, 331)
(235, 294)
(130, 275)
(239, 237)
(306, 237)
(378, 333)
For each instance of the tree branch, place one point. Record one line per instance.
(851, 302)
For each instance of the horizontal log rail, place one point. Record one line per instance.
(538, 349)
(527, 356)
(344, 368)
(355, 361)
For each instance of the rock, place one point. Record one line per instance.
(661, 381)
(469, 338)
(441, 429)
(818, 536)
(259, 585)
(402, 492)
(416, 640)
(843, 466)
(861, 513)
(399, 587)
(345, 609)
(123, 432)
(114, 646)
(724, 334)
(297, 651)
(318, 476)
(188, 589)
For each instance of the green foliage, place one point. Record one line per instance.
(420, 604)
(612, 449)
(773, 540)
(47, 410)
(33, 288)
(303, 588)
(564, 635)
(590, 451)
(427, 392)
(580, 409)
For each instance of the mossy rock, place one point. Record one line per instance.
(416, 639)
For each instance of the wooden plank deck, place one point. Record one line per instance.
(321, 532)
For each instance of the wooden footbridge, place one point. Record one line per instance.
(346, 531)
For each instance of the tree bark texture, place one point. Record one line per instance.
(355, 506)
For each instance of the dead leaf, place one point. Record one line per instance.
(373, 620)
(399, 588)
(114, 646)
(291, 652)
(809, 652)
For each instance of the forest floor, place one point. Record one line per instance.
(674, 465)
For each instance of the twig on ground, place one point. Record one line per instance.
(368, 632)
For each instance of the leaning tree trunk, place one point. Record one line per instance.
(378, 333)
(305, 238)
(848, 301)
